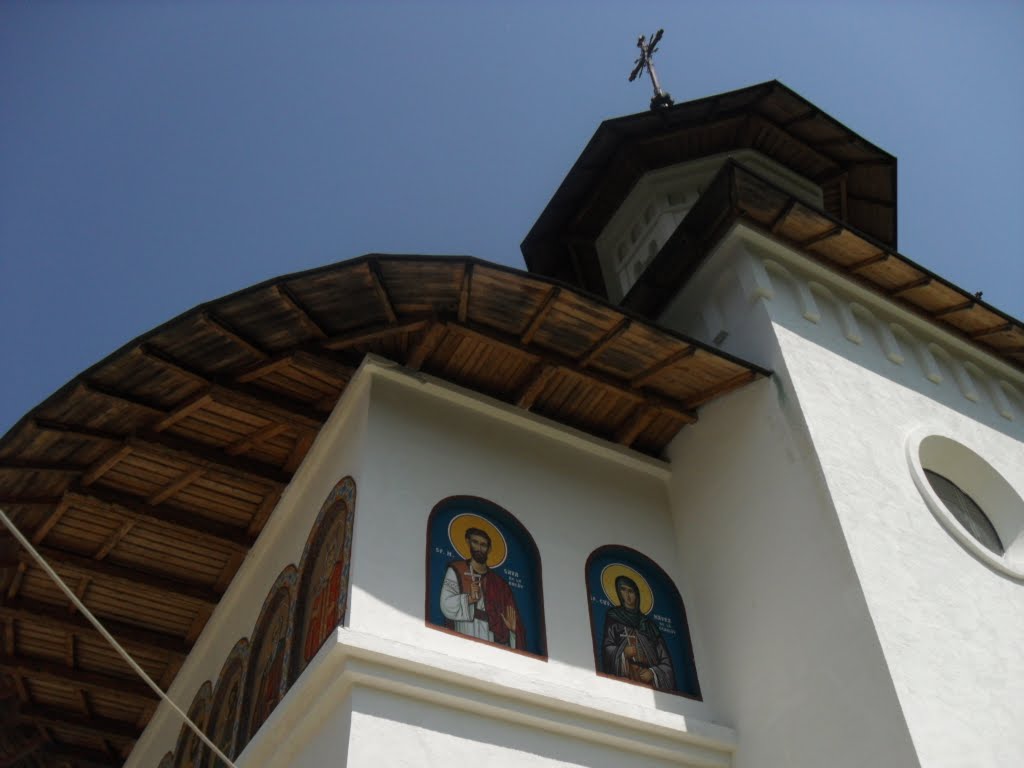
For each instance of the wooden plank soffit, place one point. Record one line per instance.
(567, 364)
(57, 617)
(80, 678)
(103, 727)
(130, 575)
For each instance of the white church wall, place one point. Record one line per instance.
(791, 652)
(949, 624)
(423, 448)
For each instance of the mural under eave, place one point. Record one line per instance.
(190, 751)
(322, 597)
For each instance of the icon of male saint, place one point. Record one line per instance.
(475, 599)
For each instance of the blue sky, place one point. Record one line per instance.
(155, 155)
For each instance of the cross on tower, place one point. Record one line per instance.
(660, 98)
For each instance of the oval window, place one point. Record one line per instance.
(974, 502)
(965, 510)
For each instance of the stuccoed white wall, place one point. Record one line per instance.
(951, 628)
(573, 494)
(793, 657)
(864, 376)
(336, 452)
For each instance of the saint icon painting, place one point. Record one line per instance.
(483, 575)
(638, 622)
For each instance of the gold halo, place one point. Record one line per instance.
(457, 535)
(613, 571)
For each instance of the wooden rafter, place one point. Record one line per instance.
(56, 617)
(634, 425)
(464, 292)
(652, 372)
(58, 673)
(105, 463)
(265, 368)
(908, 287)
(604, 342)
(568, 364)
(208, 457)
(138, 403)
(991, 330)
(776, 224)
(129, 576)
(961, 307)
(52, 519)
(868, 262)
(254, 439)
(426, 346)
(540, 378)
(277, 408)
(382, 292)
(367, 334)
(151, 352)
(540, 315)
(223, 328)
(102, 727)
(827, 235)
(305, 318)
(195, 403)
(192, 525)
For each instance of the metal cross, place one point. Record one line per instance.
(660, 98)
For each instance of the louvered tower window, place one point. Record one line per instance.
(966, 511)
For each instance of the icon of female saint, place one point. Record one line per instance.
(632, 646)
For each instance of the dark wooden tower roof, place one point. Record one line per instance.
(147, 478)
(858, 179)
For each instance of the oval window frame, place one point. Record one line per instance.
(965, 466)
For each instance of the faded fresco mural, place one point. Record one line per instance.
(638, 622)
(266, 679)
(322, 596)
(224, 711)
(190, 751)
(484, 575)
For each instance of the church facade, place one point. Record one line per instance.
(724, 480)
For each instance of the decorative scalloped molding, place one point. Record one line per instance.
(761, 267)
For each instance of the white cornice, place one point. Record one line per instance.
(358, 660)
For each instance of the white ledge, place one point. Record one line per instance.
(356, 659)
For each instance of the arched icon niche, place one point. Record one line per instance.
(190, 751)
(227, 697)
(322, 597)
(484, 576)
(638, 623)
(266, 679)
